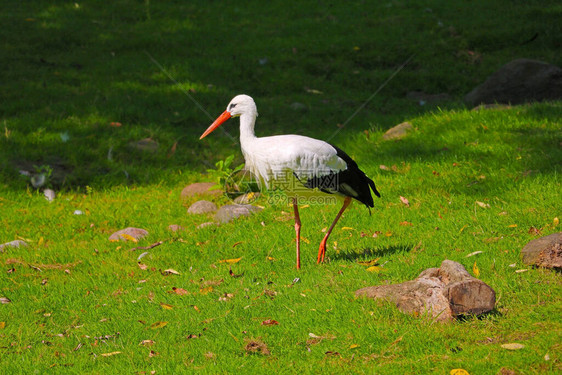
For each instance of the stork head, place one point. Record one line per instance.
(238, 106)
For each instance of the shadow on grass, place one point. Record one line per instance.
(372, 252)
(81, 67)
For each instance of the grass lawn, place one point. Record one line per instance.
(83, 82)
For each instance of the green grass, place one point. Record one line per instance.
(79, 68)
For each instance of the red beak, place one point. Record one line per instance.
(218, 122)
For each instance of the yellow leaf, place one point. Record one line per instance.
(109, 354)
(305, 206)
(458, 371)
(353, 346)
(512, 226)
(270, 258)
(2, 325)
(388, 234)
(556, 221)
(374, 269)
(346, 228)
(41, 241)
(369, 263)
(165, 306)
(205, 291)
(475, 270)
(129, 237)
(230, 261)
(158, 324)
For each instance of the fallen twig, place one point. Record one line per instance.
(147, 247)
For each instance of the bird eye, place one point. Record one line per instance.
(232, 106)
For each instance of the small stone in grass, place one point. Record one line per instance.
(16, 243)
(202, 207)
(136, 233)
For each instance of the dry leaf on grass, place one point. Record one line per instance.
(475, 270)
(165, 306)
(179, 291)
(109, 354)
(157, 325)
(270, 322)
(5, 300)
(369, 262)
(482, 204)
(230, 261)
(513, 346)
(170, 271)
(254, 346)
(146, 342)
(405, 201)
(458, 371)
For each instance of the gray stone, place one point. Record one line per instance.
(16, 243)
(200, 189)
(519, 81)
(398, 131)
(202, 207)
(233, 211)
(544, 252)
(136, 233)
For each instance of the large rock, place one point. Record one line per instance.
(442, 293)
(544, 252)
(200, 189)
(202, 207)
(233, 211)
(519, 81)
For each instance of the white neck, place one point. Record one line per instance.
(247, 122)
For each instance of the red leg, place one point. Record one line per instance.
(298, 232)
(322, 249)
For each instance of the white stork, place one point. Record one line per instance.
(313, 164)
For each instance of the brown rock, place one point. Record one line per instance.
(519, 81)
(442, 293)
(202, 207)
(136, 233)
(544, 252)
(398, 131)
(200, 189)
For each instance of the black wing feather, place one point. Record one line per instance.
(350, 182)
